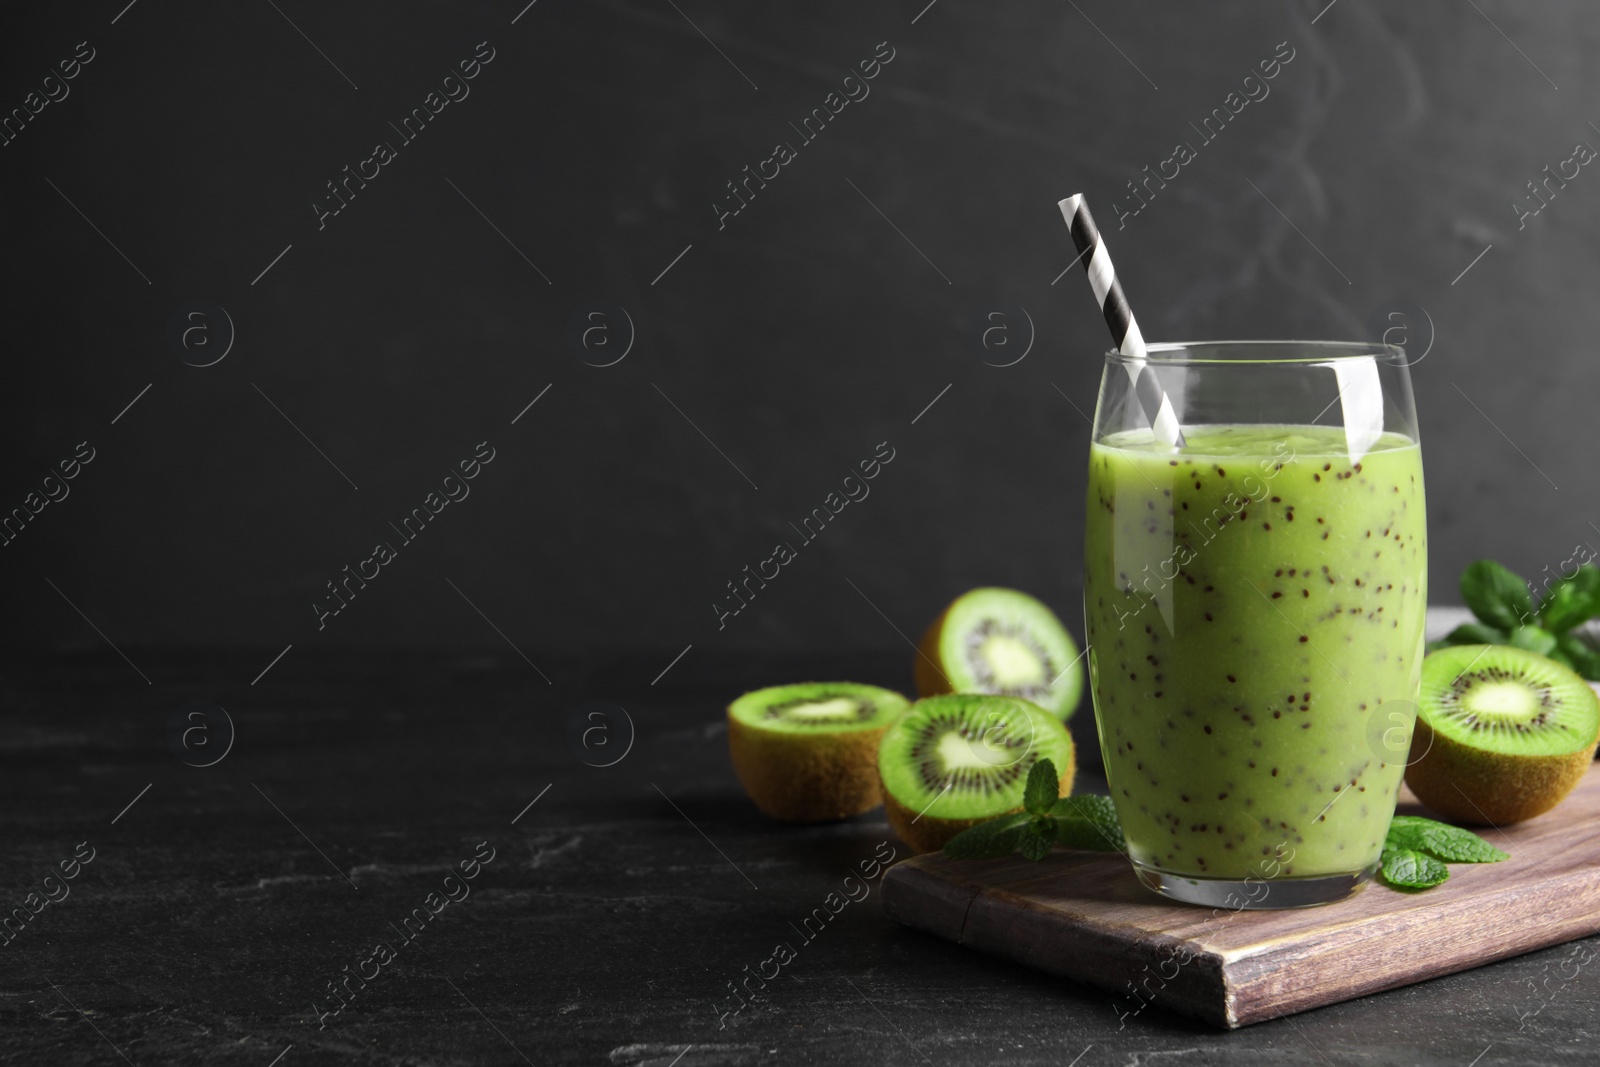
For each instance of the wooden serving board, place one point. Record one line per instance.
(1085, 916)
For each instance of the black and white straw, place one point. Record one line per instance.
(1119, 317)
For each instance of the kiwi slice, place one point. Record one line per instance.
(808, 752)
(1503, 734)
(1002, 642)
(956, 760)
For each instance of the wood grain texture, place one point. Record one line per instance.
(1085, 916)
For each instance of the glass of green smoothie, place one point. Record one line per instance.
(1254, 598)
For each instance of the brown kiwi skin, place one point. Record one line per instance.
(1478, 788)
(929, 834)
(930, 682)
(802, 778)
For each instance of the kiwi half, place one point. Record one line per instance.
(1502, 734)
(1002, 642)
(956, 760)
(808, 752)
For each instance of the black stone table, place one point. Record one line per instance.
(611, 924)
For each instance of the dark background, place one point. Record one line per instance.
(797, 338)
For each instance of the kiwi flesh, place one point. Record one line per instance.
(1003, 642)
(808, 752)
(953, 761)
(1503, 734)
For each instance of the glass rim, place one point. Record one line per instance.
(1321, 352)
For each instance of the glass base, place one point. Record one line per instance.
(1254, 894)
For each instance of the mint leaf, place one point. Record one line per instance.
(1044, 786)
(1037, 837)
(1496, 595)
(1534, 639)
(1405, 831)
(1088, 822)
(1087, 806)
(1474, 633)
(988, 840)
(1086, 835)
(1441, 841)
(1579, 655)
(1406, 869)
(1572, 600)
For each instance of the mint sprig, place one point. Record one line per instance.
(1416, 850)
(1507, 616)
(1047, 819)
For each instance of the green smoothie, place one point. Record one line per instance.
(1251, 601)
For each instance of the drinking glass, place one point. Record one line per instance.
(1255, 600)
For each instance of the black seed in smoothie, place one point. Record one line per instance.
(1221, 473)
(1278, 573)
(1277, 714)
(1221, 796)
(1316, 477)
(1304, 639)
(1231, 678)
(1274, 772)
(1266, 526)
(1277, 500)
(1327, 466)
(1305, 593)
(1208, 729)
(1305, 726)
(1208, 617)
(1183, 798)
(1172, 462)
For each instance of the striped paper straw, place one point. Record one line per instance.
(1119, 317)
